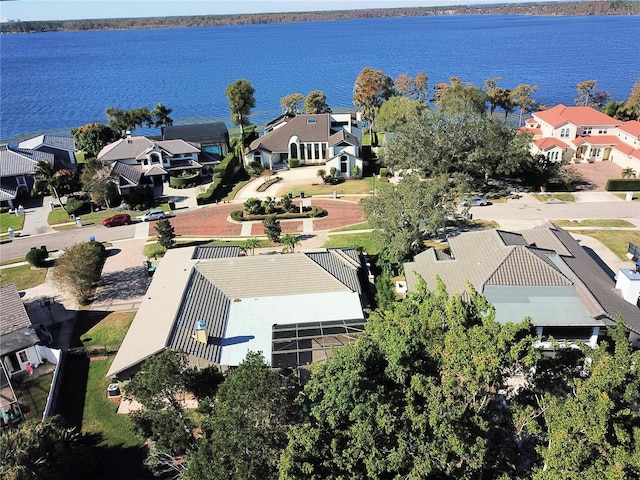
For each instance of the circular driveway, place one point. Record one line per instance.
(214, 221)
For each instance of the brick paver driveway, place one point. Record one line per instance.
(214, 220)
(596, 174)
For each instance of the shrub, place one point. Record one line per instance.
(253, 206)
(79, 268)
(37, 257)
(294, 162)
(268, 183)
(166, 234)
(623, 185)
(210, 194)
(184, 181)
(355, 171)
(254, 168)
(237, 215)
(74, 205)
(384, 172)
(142, 198)
(272, 228)
(155, 251)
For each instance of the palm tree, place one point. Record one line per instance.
(250, 244)
(44, 171)
(289, 241)
(628, 173)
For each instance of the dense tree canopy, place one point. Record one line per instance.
(123, 121)
(241, 101)
(459, 97)
(372, 87)
(415, 88)
(521, 97)
(397, 111)
(590, 96)
(97, 181)
(62, 182)
(415, 397)
(291, 103)
(92, 137)
(316, 102)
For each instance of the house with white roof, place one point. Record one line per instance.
(583, 134)
(215, 305)
(137, 161)
(330, 139)
(542, 273)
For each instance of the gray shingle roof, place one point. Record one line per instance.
(341, 265)
(207, 252)
(15, 325)
(126, 175)
(277, 140)
(58, 142)
(523, 267)
(137, 147)
(343, 137)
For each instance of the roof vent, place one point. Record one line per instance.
(201, 331)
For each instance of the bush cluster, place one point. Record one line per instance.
(184, 181)
(37, 257)
(141, 199)
(254, 168)
(623, 185)
(79, 268)
(268, 183)
(74, 205)
(294, 162)
(221, 173)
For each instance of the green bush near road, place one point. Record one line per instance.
(623, 185)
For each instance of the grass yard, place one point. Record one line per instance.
(23, 276)
(236, 188)
(597, 222)
(369, 243)
(10, 261)
(99, 414)
(348, 187)
(108, 331)
(615, 240)
(562, 197)
(350, 228)
(10, 220)
(34, 393)
(623, 196)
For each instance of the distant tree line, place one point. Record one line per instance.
(615, 7)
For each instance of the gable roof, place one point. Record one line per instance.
(597, 140)
(579, 115)
(546, 256)
(308, 128)
(126, 175)
(201, 133)
(20, 161)
(58, 142)
(631, 127)
(548, 143)
(15, 325)
(238, 298)
(137, 147)
(343, 136)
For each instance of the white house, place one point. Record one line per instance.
(331, 139)
(139, 160)
(583, 134)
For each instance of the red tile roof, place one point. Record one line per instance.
(547, 143)
(531, 130)
(632, 127)
(582, 116)
(597, 140)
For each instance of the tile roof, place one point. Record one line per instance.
(137, 147)
(580, 115)
(238, 298)
(20, 161)
(546, 256)
(596, 140)
(631, 127)
(547, 143)
(127, 175)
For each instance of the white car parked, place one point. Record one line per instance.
(474, 201)
(155, 214)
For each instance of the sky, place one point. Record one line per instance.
(90, 9)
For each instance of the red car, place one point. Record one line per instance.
(119, 219)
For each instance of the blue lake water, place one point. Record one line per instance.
(51, 82)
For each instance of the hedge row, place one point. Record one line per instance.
(240, 216)
(222, 172)
(268, 183)
(623, 185)
(183, 181)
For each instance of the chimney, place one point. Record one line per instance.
(201, 332)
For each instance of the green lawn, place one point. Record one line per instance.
(99, 414)
(9, 261)
(108, 331)
(34, 393)
(616, 240)
(598, 222)
(623, 196)
(23, 276)
(350, 228)
(563, 197)
(10, 220)
(369, 243)
(348, 187)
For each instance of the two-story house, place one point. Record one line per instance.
(137, 161)
(583, 134)
(330, 139)
(17, 172)
(62, 148)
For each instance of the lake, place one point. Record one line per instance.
(52, 82)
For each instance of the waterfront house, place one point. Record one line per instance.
(327, 139)
(583, 134)
(62, 148)
(542, 273)
(17, 172)
(212, 138)
(137, 161)
(215, 305)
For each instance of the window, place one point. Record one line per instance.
(324, 151)
(294, 150)
(602, 131)
(309, 153)
(316, 150)
(595, 152)
(302, 151)
(564, 132)
(586, 131)
(23, 356)
(257, 157)
(311, 121)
